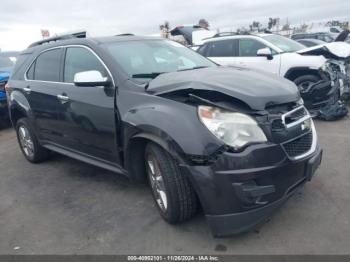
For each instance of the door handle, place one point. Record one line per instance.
(63, 98)
(27, 89)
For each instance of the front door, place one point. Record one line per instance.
(248, 58)
(86, 114)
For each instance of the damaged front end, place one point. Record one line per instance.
(240, 188)
(326, 98)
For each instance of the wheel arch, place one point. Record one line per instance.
(295, 72)
(18, 107)
(134, 152)
(16, 113)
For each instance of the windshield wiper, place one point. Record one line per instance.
(192, 68)
(147, 75)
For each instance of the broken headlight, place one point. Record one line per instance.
(233, 128)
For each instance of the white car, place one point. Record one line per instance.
(271, 53)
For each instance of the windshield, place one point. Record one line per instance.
(284, 43)
(149, 58)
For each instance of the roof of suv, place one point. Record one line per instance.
(41, 45)
(234, 36)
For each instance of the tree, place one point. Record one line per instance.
(273, 22)
(286, 27)
(255, 26)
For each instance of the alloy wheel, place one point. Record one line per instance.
(157, 183)
(26, 141)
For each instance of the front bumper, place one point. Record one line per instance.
(240, 191)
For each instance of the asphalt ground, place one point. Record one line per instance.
(64, 206)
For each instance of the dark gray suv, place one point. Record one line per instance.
(237, 143)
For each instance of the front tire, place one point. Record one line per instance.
(306, 81)
(28, 142)
(174, 196)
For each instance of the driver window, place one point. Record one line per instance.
(79, 59)
(249, 47)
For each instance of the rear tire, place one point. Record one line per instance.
(174, 196)
(29, 143)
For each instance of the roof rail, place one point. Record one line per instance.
(126, 34)
(81, 34)
(223, 34)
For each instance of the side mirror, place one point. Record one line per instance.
(265, 52)
(90, 78)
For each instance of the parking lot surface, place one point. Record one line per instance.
(64, 206)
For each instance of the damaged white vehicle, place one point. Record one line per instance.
(320, 72)
(337, 64)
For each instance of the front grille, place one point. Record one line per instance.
(289, 118)
(299, 146)
(301, 112)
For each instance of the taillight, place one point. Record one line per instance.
(7, 88)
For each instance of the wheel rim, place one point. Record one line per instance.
(157, 183)
(304, 86)
(26, 141)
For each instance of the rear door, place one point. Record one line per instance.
(86, 114)
(40, 88)
(222, 52)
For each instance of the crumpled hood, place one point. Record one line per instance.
(256, 89)
(330, 50)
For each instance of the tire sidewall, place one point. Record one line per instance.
(310, 78)
(167, 214)
(24, 122)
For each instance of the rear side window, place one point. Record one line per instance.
(203, 50)
(47, 66)
(30, 72)
(224, 48)
(79, 59)
(249, 47)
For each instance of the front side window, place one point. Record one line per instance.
(249, 47)
(325, 38)
(284, 43)
(79, 59)
(47, 66)
(224, 48)
(334, 30)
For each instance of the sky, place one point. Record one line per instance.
(21, 20)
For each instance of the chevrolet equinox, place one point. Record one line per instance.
(233, 141)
